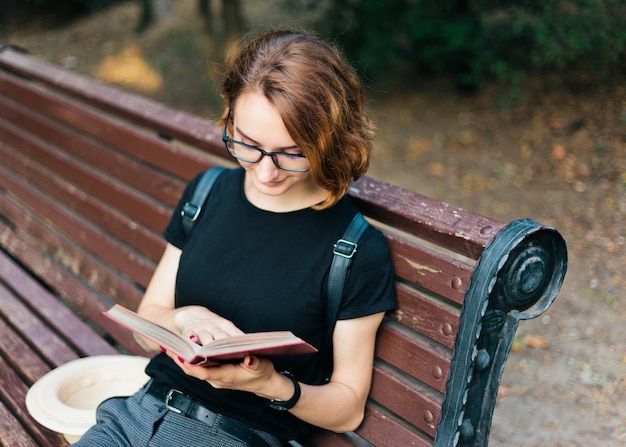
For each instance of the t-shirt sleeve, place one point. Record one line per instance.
(175, 233)
(370, 286)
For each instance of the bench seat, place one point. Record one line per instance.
(88, 180)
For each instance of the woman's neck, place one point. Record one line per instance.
(302, 196)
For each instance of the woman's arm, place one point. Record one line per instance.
(346, 393)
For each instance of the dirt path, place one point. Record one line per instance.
(558, 156)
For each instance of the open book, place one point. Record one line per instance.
(262, 344)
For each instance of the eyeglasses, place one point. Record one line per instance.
(252, 154)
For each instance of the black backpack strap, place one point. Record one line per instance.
(343, 252)
(191, 210)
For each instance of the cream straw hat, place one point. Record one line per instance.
(65, 399)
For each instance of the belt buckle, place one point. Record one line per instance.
(168, 399)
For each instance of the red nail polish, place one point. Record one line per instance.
(251, 361)
(181, 360)
(163, 349)
(193, 338)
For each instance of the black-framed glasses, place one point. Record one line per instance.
(253, 154)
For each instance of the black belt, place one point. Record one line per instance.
(178, 402)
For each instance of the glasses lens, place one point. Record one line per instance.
(243, 152)
(286, 161)
(291, 162)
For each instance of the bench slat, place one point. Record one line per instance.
(69, 286)
(426, 316)
(70, 253)
(101, 214)
(156, 184)
(56, 314)
(12, 432)
(22, 429)
(407, 398)
(382, 429)
(52, 348)
(429, 269)
(140, 208)
(111, 251)
(15, 350)
(401, 349)
(142, 145)
(440, 223)
(167, 121)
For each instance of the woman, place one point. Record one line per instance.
(258, 259)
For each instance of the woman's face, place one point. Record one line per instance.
(257, 122)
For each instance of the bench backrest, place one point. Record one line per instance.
(90, 175)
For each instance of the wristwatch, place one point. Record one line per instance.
(284, 405)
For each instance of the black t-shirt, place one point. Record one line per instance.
(267, 271)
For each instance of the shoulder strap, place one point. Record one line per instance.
(191, 210)
(343, 252)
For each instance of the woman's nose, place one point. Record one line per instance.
(266, 169)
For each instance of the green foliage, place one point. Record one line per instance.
(477, 40)
(52, 12)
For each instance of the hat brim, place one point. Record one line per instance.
(65, 399)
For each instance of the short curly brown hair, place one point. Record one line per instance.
(318, 95)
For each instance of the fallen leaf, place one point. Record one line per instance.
(437, 170)
(559, 152)
(503, 391)
(535, 341)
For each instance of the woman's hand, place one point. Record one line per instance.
(202, 326)
(253, 374)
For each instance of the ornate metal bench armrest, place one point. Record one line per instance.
(517, 277)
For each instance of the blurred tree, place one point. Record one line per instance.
(230, 19)
(476, 40)
(50, 12)
(154, 12)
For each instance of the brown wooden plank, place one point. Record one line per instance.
(100, 213)
(16, 350)
(382, 429)
(48, 307)
(401, 348)
(118, 164)
(107, 279)
(406, 398)
(148, 148)
(167, 121)
(13, 392)
(12, 433)
(429, 269)
(69, 225)
(426, 316)
(441, 223)
(73, 289)
(48, 345)
(136, 205)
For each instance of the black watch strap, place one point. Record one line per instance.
(284, 405)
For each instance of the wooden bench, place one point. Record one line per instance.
(88, 179)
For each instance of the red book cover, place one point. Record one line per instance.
(262, 344)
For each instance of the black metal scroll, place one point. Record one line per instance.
(517, 277)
